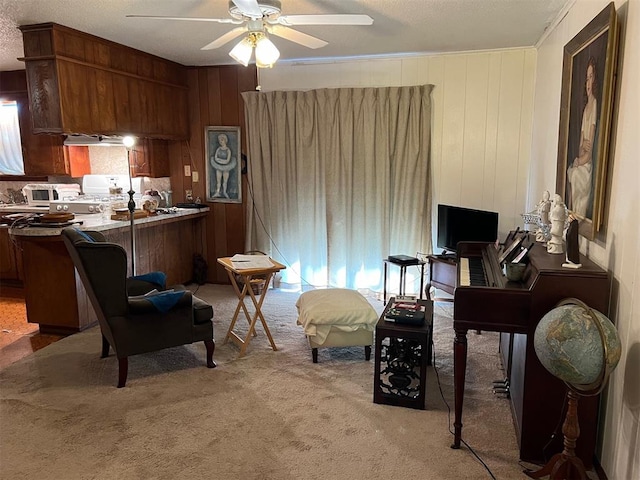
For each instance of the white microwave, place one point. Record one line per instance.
(42, 194)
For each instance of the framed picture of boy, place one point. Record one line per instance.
(588, 74)
(223, 165)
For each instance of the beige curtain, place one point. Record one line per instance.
(338, 180)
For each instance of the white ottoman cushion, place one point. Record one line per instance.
(338, 308)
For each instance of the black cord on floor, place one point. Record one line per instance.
(193, 292)
(433, 352)
(303, 281)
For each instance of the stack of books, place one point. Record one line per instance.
(405, 310)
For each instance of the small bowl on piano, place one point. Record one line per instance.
(515, 271)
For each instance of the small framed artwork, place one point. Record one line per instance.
(223, 164)
(586, 108)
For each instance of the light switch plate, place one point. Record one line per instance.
(187, 170)
(195, 176)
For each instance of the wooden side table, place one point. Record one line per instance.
(257, 300)
(402, 355)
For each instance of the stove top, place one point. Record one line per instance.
(81, 204)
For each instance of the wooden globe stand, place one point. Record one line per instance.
(565, 465)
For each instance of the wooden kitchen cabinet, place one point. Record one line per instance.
(54, 293)
(82, 84)
(10, 259)
(45, 154)
(42, 154)
(77, 161)
(150, 158)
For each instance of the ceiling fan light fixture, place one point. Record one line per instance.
(254, 9)
(256, 19)
(266, 53)
(241, 53)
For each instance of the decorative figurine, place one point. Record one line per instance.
(558, 216)
(573, 250)
(544, 207)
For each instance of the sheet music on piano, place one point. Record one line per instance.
(509, 249)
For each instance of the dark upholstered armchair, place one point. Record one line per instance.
(130, 321)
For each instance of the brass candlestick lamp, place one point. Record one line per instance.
(129, 142)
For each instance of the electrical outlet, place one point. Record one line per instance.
(194, 176)
(187, 170)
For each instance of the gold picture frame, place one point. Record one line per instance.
(586, 107)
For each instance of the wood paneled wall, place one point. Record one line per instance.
(14, 81)
(214, 100)
(481, 119)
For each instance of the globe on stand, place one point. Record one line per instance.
(581, 347)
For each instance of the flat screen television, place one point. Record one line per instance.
(458, 224)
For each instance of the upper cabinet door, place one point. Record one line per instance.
(42, 154)
(77, 159)
(150, 158)
(82, 84)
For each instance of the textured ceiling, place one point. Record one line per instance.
(400, 26)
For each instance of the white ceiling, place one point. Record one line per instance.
(400, 26)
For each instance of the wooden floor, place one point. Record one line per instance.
(18, 338)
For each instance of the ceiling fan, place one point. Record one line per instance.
(258, 19)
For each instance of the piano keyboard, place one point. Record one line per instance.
(472, 272)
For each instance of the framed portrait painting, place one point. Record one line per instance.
(586, 107)
(223, 164)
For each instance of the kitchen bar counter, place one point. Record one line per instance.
(100, 223)
(54, 295)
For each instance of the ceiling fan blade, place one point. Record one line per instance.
(226, 38)
(296, 36)
(249, 7)
(330, 19)
(190, 19)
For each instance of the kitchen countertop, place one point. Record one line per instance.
(21, 208)
(100, 222)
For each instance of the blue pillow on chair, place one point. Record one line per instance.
(165, 301)
(84, 235)
(159, 278)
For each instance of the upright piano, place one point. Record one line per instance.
(485, 300)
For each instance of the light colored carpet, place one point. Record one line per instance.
(268, 415)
